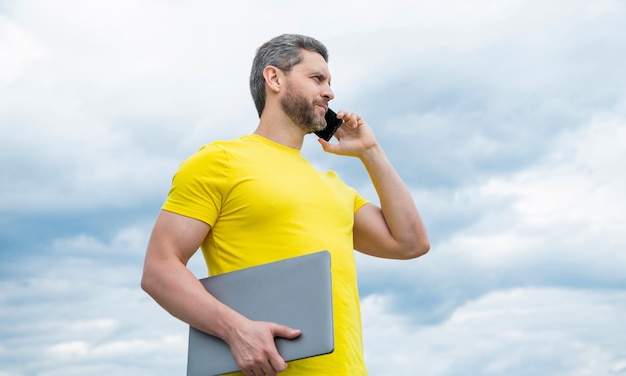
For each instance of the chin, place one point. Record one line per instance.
(311, 128)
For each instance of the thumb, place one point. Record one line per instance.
(285, 332)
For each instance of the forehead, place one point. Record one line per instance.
(312, 62)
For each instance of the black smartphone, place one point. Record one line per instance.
(332, 124)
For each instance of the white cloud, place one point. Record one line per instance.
(128, 241)
(18, 50)
(571, 202)
(103, 111)
(75, 349)
(513, 332)
(87, 315)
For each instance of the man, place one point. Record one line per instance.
(255, 199)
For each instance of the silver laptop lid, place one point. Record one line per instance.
(295, 292)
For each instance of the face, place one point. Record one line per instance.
(307, 92)
(302, 111)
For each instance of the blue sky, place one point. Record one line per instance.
(507, 119)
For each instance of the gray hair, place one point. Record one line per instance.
(282, 52)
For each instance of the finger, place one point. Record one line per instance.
(354, 120)
(275, 363)
(248, 372)
(260, 370)
(252, 370)
(328, 147)
(345, 115)
(285, 331)
(349, 119)
(278, 364)
(269, 369)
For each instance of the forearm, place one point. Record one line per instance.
(406, 229)
(167, 279)
(180, 293)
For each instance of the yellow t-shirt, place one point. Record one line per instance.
(265, 202)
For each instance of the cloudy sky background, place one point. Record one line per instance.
(507, 120)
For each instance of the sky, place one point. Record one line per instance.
(506, 119)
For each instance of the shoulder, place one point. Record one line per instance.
(216, 153)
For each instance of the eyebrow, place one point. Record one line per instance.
(322, 75)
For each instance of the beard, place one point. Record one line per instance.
(302, 112)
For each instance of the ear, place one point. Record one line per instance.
(274, 78)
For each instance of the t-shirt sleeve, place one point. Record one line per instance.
(198, 187)
(359, 201)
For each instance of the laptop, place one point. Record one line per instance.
(295, 292)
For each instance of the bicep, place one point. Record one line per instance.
(175, 235)
(371, 233)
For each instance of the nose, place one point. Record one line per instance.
(328, 93)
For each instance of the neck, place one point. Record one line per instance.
(279, 128)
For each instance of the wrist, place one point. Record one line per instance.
(227, 323)
(372, 154)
